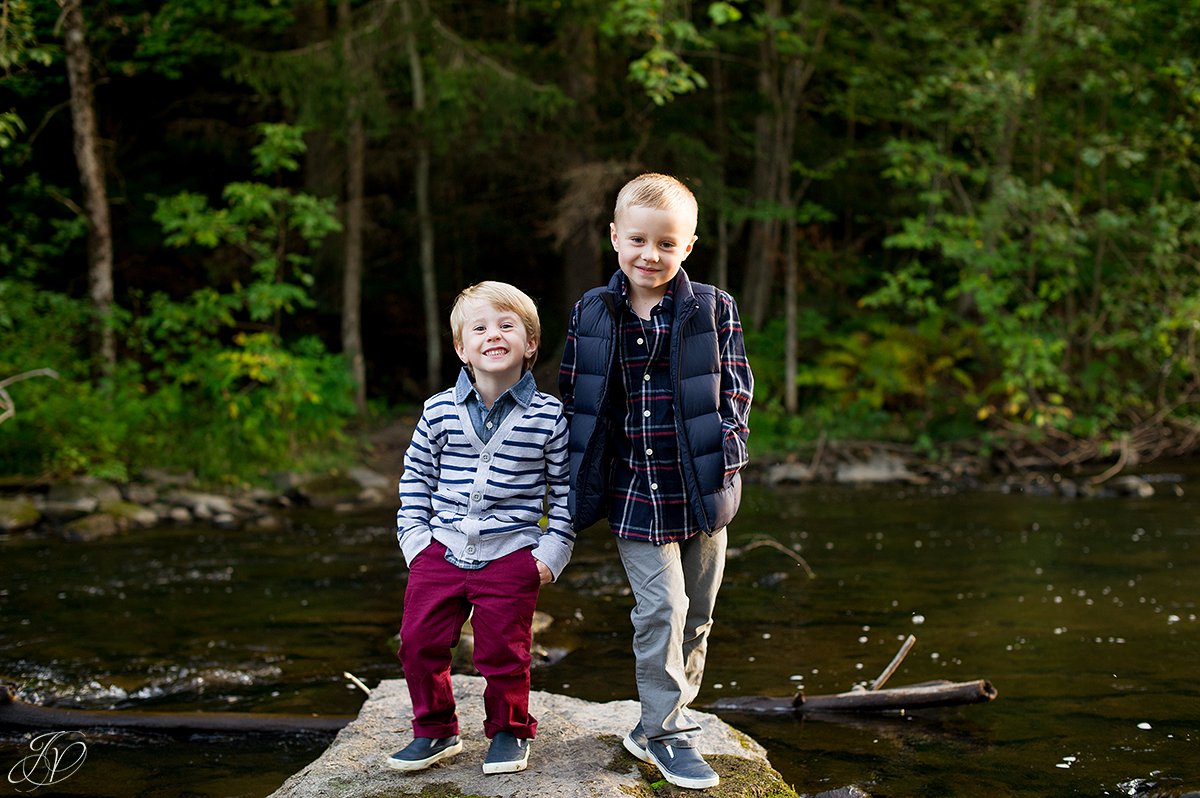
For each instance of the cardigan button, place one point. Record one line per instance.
(476, 496)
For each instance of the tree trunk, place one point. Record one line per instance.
(433, 342)
(721, 270)
(585, 216)
(791, 398)
(764, 232)
(352, 267)
(91, 176)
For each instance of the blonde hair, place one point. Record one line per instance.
(501, 296)
(661, 192)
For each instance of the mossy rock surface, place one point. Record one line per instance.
(577, 754)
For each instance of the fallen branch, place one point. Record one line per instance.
(7, 408)
(774, 544)
(895, 663)
(1116, 467)
(16, 714)
(914, 696)
(938, 693)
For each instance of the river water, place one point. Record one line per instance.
(1082, 613)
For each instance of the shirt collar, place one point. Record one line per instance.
(521, 391)
(667, 303)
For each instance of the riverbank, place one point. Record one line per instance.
(85, 508)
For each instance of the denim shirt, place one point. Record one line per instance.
(486, 421)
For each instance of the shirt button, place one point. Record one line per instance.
(649, 452)
(476, 496)
(653, 486)
(488, 425)
(641, 340)
(646, 413)
(646, 377)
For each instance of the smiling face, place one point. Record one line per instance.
(651, 245)
(493, 342)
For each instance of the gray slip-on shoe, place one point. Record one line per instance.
(681, 764)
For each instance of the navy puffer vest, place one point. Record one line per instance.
(696, 375)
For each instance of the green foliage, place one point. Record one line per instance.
(661, 71)
(18, 37)
(996, 210)
(1076, 299)
(209, 384)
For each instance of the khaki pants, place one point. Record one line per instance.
(675, 587)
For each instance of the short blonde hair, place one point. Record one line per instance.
(661, 192)
(501, 296)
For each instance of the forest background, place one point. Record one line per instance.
(232, 229)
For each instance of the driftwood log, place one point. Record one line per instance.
(913, 696)
(938, 693)
(17, 714)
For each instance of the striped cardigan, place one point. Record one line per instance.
(483, 501)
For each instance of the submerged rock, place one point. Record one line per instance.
(17, 514)
(577, 753)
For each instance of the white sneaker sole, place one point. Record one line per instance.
(683, 781)
(421, 764)
(492, 768)
(637, 750)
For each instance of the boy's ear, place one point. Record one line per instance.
(612, 235)
(461, 350)
(688, 249)
(531, 346)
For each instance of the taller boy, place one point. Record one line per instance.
(657, 390)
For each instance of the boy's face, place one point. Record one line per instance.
(494, 342)
(651, 245)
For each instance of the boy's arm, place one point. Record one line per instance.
(566, 371)
(737, 384)
(417, 486)
(558, 540)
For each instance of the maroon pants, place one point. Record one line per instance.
(437, 601)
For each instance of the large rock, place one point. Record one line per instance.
(880, 468)
(17, 514)
(577, 754)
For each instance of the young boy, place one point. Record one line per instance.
(484, 457)
(657, 390)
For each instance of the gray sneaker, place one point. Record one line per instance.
(506, 754)
(681, 764)
(635, 743)
(424, 751)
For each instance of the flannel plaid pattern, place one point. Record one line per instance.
(647, 496)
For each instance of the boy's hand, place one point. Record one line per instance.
(547, 576)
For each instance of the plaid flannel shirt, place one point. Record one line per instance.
(647, 496)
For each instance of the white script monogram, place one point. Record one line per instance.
(56, 756)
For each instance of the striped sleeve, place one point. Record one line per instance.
(557, 542)
(418, 483)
